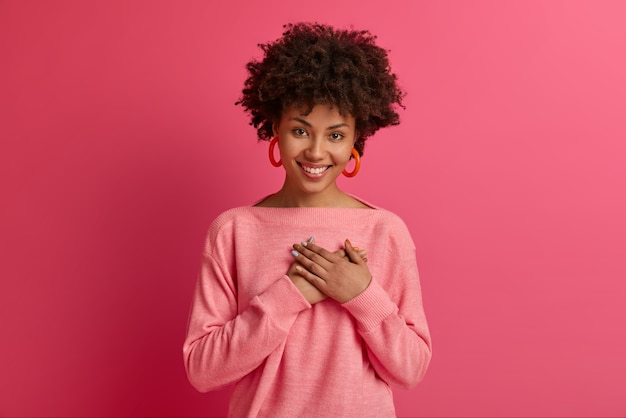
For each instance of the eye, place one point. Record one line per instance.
(336, 136)
(299, 132)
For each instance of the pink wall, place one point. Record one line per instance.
(120, 142)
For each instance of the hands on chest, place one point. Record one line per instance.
(319, 273)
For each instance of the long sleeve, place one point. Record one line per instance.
(222, 345)
(395, 332)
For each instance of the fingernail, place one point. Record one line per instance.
(311, 239)
(304, 243)
(294, 253)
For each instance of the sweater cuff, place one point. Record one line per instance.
(283, 302)
(371, 307)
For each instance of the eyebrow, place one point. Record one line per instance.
(304, 122)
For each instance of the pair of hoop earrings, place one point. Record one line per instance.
(355, 154)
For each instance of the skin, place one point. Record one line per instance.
(314, 149)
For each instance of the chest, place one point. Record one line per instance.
(257, 270)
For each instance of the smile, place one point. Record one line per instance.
(315, 171)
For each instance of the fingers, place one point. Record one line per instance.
(315, 260)
(362, 253)
(309, 261)
(342, 253)
(353, 253)
(326, 255)
(314, 279)
(340, 275)
(316, 254)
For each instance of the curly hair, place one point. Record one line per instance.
(316, 64)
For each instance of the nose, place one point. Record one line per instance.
(316, 149)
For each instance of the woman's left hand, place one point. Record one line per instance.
(340, 278)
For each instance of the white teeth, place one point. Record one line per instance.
(315, 170)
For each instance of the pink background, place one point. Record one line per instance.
(120, 142)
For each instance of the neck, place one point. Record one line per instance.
(289, 198)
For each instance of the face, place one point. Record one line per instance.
(314, 148)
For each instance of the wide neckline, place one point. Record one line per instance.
(368, 205)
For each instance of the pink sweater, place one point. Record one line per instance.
(250, 326)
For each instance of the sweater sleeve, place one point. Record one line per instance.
(222, 344)
(394, 329)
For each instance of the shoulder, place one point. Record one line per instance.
(235, 216)
(393, 222)
(388, 224)
(222, 227)
(391, 218)
(379, 214)
(229, 216)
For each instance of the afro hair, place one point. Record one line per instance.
(315, 64)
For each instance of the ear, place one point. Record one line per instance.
(275, 128)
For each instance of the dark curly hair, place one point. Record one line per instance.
(316, 64)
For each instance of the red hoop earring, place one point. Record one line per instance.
(272, 160)
(357, 167)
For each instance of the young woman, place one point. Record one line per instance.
(286, 307)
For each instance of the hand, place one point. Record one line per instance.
(362, 253)
(340, 278)
(311, 293)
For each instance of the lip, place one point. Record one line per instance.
(314, 166)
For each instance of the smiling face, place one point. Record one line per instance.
(314, 149)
